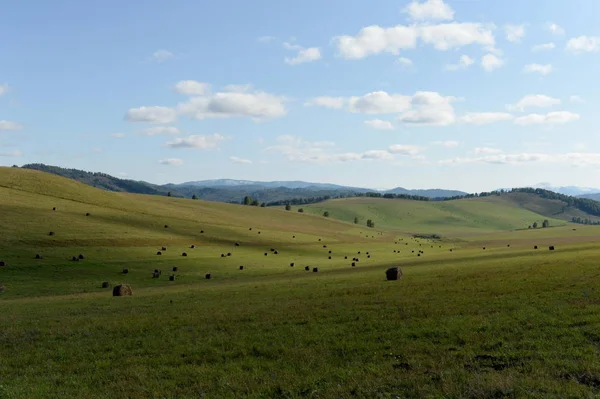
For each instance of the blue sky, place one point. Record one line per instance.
(464, 94)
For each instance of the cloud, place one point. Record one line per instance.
(304, 55)
(379, 102)
(404, 149)
(167, 130)
(576, 99)
(197, 141)
(375, 39)
(118, 135)
(533, 101)
(486, 150)
(161, 55)
(240, 160)
(257, 105)
(171, 162)
(192, 88)
(326, 102)
(582, 44)
(404, 62)
(454, 35)
(483, 118)
(579, 159)
(447, 144)
(555, 29)
(489, 62)
(379, 124)
(8, 125)
(551, 118)
(377, 155)
(11, 154)
(538, 68)
(434, 10)
(430, 109)
(3, 89)
(463, 63)
(543, 47)
(514, 33)
(151, 115)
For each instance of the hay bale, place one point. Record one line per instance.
(307, 268)
(237, 244)
(353, 264)
(266, 253)
(54, 208)
(166, 226)
(315, 269)
(171, 278)
(192, 246)
(272, 249)
(2, 263)
(184, 254)
(51, 233)
(164, 248)
(359, 252)
(259, 232)
(324, 246)
(319, 239)
(87, 214)
(175, 268)
(122, 290)
(330, 257)
(535, 247)
(228, 253)
(393, 273)
(81, 257)
(329, 251)
(508, 245)
(75, 259)
(484, 248)
(293, 236)
(367, 253)
(159, 253)
(418, 254)
(394, 251)
(292, 264)
(250, 229)
(222, 255)
(201, 231)
(276, 253)
(208, 276)
(551, 247)
(125, 271)
(105, 284)
(369, 256)
(38, 256)
(450, 249)
(241, 267)
(155, 275)
(345, 257)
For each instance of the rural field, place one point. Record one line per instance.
(509, 320)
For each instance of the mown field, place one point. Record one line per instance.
(507, 321)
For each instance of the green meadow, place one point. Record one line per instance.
(463, 322)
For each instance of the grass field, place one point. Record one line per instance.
(507, 321)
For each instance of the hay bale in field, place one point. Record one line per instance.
(228, 253)
(75, 259)
(266, 253)
(484, 248)
(184, 254)
(369, 256)
(175, 268)
(345, 257)
(208, 276)
(353, 264)
(2, 263)
(87, 214)
(319, 239)
(293, 236)
(54, 208)
(535, 247)
(259, 232)
(125, 271)
(237, 244)
(329, 251)
(276, 252)
(201, 231)
(171, 278)
(164, 248)
(359, 252)
(81, 257)
(292, 264)
(508, 245)
(394, 251)
(159, 253)
(222, 255)
(367, 253)
(307, 268)
(192, 246)
(315, 269)
(166, 226)
(241, 267)
(418, 254)
(250, 229)
(393, 273)
(105, 284)
(155, 275)
(330, 257)
(51, 233)
(450, 249)
(551, 247)
(122, 290)
(38, 256)
(324, 246)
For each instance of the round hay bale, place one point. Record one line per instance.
(508, 245)
(307, 268)
(125, 271)
(330, 257)
(208, 276)
(105, 284)
(87, 214)
(228, 253)
(450, 249)
(266, 253)
(241, 267)
(201, 231)
(369, 256)
(75, 259)
(166, 226)
(192, 246)
(122, 290)
(38, 256)
(272, 249)
(292, 264)
(250, 228)
(345, 257)
(551, 247)
(394, 251)
(222, 255)
(324, 246)
(259, 232)
(319, 239)
(155, 275)
(81, 257)
(159, 253)
(171, 278)
(418, 254)
(353, 264)
(329, 251)
(175, 268)
(54, 208)
(293, 236)
(315, 269)
(164, 248)
(276, 253)
(2, 263)
(51, 233)
(367, 253)
(535, 247)
(184, 254)
(484, 248)
(393, 273)
(237, 244)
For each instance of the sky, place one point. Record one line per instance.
(472, 95)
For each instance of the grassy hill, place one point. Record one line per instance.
(505, 321)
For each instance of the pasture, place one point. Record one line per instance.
(507, 321)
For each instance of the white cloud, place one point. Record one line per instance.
(551, 118)
(375, 39)
(257, 105)
(404, 149)
(8, 125)
(583, 44)
(543, 47)
(118, 135)
(482, 118)
(430, 109)
(579, 159)
(377, 155)
(326, 102)
(463, 63)
(161, 55)
(167, 130)
(151, 115)
(576, 99)
(240, 160)
(514, 33)
(197, 141)
(379, 102)
(3, 89)
(533, 101)
(447, 144)
(11, 154)
(379, 124)
(304, 55)
(404, 62)
(538, 68)
(434, 10)
(171, 161)
(489, 62)
(192, 88)
(454, 34)
(555, 29)
(486, 150)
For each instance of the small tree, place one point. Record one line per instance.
(194, 197)
(356, 220)
(326, 214)
(546, 223)
(247, 200)
(370, 223)
(301, 210)
(263, 205)
(169, 194)
(535, 225)
(288, 207)
(255, 203)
